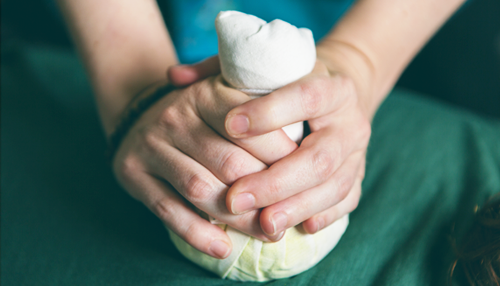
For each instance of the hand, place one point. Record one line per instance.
(176, 157)
(319, 182)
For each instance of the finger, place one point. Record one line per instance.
(318, 157)
(298, 208)
(225, 160)
(213, 107)
(310, 97)
(182, 75)
(175, 214)
(200, 187)
(331, 215)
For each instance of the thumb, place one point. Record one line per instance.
(182, 75)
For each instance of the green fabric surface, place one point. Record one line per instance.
(65, 221)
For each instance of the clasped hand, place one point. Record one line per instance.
(209, 147)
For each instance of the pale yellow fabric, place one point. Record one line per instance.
(254, 260)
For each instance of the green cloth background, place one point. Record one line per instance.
(65, 221)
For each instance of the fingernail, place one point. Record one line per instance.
(242, 203)
(219, 248)
(237, 124)
(279, 221)
(321, 223)
(278, 237)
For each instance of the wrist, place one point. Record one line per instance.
(111, 118)
(346, 59)
(133, 111)
(117, 89)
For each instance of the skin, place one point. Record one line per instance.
(207, 146)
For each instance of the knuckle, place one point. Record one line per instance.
(127, 168)
(151, 143)
(194, 89)
(323, 164)
(170, 117)
(344, 185)
(346, 84)
(365, 129)
(233, 167)
(198, 189)
(150, 140)
(312, 94)
(164, 209)
(201, 90)
(192, 233)
(345, 90)
(189, 235)
(275, 187)
(353, 204)
(271, 113)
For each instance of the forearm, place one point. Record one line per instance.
(376, 40)
(125, 47)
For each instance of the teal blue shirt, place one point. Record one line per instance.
(191, 22)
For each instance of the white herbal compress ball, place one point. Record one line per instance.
(262, 56)
(258, 57)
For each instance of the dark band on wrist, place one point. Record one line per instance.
(134, 110)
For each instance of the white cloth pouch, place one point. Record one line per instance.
(257, 58)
